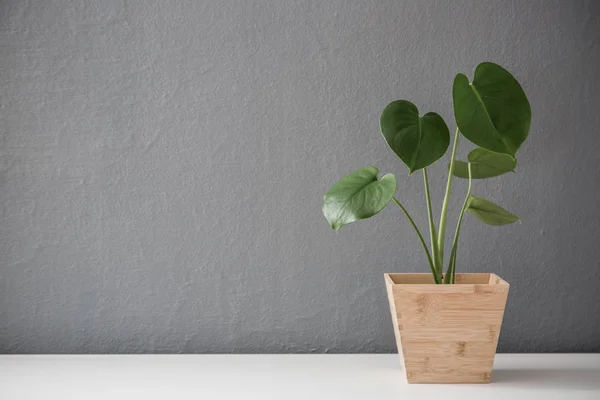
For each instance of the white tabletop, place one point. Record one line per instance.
(348, 377)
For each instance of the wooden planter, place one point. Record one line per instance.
(447, 333)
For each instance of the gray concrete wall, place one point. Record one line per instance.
(162, 165)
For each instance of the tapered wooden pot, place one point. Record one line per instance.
(447, 333)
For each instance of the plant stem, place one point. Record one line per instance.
(435, 275)
(449, 275)
(444, 214)
(432, 234)
(451, 271)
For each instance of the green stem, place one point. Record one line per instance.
(432, 234)
(451, 271)
(444, 214)
(435, 276)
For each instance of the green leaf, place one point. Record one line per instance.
(418, 141)
(357, 196)
(489, 212)
(484, 164)
(492, 111)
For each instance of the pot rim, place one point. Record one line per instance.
(426, 279)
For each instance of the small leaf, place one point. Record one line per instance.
(489, 212)
(492, 111)
(418, 141)
(484, 164)
(357, 196)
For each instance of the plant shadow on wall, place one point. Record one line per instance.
(492, 112)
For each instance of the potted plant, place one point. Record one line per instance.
(446, 323)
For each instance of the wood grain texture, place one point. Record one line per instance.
(447, 333)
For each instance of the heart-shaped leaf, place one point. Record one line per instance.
(492, 111)
(418, 141)
(489, 212)
(484, 164)
(357, 196)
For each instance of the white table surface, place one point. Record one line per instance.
(364, 376)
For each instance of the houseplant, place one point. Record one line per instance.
(446, 324)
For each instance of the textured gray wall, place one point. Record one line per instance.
(162, 165)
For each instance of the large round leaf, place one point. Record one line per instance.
(492, 111)
(489, 212)
(418, 141)
(484, 164)
(357, 196)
